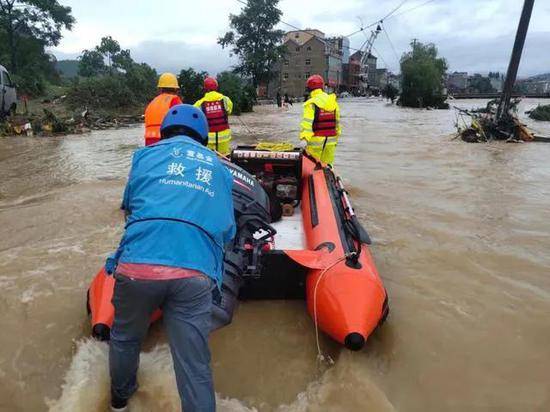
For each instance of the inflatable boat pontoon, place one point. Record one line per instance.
(297, 238)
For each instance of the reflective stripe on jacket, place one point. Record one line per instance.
(180, 205)
(321, 100)
(216, 132)
(154, 115)
(320, 126)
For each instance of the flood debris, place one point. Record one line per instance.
(485, 125)
(49, 124)
(499, 120)
(541, 112)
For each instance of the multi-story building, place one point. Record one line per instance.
(352, 71)
(457, 82)
(309, 52)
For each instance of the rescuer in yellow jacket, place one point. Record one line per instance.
(320, 126)
(217, 109)
(156, 110)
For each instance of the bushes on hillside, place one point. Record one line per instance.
(121, 90)
(119, 84)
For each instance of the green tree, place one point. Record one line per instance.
(481, 84)
(91, 63)
(254, 40)
(191, 84)
(423, 77)
(112, 79)
(41, 20)
(105, 59)
(109, 48)
(240, 91)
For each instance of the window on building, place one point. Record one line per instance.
(308, 48)
(286, 62)
(308, 74)
(297, 49)
(285, 76)
(308, 62)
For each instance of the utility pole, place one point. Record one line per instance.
(511, 75)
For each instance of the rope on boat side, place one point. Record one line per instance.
(320, 356)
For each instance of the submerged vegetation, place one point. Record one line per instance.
(541, 112)
(423, 77)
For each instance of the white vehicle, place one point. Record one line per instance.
(8, 96)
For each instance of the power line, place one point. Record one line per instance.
(393, 11)
(301, 30)
(388, 16)
(391, 44)
(412, 8)
(380, 57)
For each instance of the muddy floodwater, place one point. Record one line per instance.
(461, 239)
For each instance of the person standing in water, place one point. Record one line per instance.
(180, 216)
(320, 126)
(217, 109)
(168, 88)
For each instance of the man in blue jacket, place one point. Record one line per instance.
(180, 215)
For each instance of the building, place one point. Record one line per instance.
(309, 52)
(457, 82)
(382, 78)
(534, 86)
(497, 81)
(352, 71)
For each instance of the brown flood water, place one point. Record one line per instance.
(462, 241)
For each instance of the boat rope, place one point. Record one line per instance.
(320, 356)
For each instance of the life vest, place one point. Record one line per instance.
(216, 115)
(324, 123)
(154, 115)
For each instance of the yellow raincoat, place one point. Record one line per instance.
(224, 136)
(322, 148)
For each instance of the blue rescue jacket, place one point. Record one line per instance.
(180, 205)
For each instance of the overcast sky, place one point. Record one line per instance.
(474, 35)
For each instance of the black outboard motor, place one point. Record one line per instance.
(242, 255)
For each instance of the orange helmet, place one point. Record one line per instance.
(210, 84)
(315, 82)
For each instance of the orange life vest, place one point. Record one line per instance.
(324, 123)
(216, 115)
(154, 114)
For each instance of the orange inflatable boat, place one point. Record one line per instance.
(298, 238)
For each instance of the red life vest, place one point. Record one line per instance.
(324, 123)
(216, 115)
(154, 114)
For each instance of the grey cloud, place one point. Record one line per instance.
(174, 56)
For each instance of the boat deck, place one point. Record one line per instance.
(290, 232)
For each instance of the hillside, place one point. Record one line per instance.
(67, 68)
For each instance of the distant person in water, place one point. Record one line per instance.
(288, 100)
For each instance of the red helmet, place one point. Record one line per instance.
(210, 84)
(315, 82)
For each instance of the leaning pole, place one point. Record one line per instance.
(511, 75)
